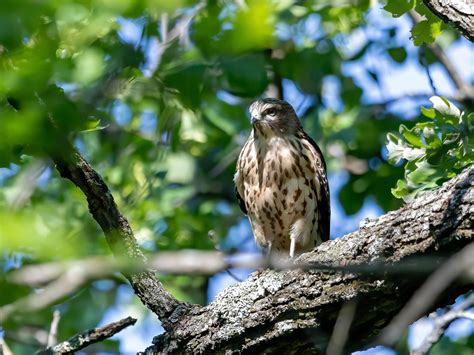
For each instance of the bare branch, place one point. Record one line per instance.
(4, 349)
(441, 323)
(340, 333)
(425, 297)
(80, 341)
(53, 331)
(118, 234)
(465, 91)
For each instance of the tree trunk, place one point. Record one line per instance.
(294, 310)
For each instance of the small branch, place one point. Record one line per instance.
(66, 284)
(4, 349)
(464, 90)
(53, 331)
(118, 233)
(422, 54)
(424, 298)
(340, 333)
(80, 341)
(441, 323)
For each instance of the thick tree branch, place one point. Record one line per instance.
(119, 235)
(458, 13)
(295, 310)
(80, 341)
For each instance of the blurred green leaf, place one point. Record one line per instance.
(398, 54)
(189, 82)
(425, 32)
(251, 81)
(398, 7)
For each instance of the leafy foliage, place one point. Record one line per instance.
(426, 30)
(435, 150)
(154, 94)
(462, 346)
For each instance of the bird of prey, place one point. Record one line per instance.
(281, 181)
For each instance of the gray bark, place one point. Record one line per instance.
(295, 311)
(458, 13)
(119, 235)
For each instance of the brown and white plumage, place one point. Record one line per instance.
(281, 181)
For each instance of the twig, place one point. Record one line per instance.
(68, 282)
(80, 341)
(424, 298)
(4, 349)
(234, 276)
(340, 333)
(25, 184)
(427, 69)
(53, 330)
(465, 90)
(441, 323)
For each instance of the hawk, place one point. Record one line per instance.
(281, 181)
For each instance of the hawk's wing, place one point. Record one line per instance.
(238, 181)
(241, 201)
(324, 207)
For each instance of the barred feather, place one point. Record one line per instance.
(281, 181)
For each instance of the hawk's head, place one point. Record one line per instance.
(272, 116)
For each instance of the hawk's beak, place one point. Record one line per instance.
(254, 120)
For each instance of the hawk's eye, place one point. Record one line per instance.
(271, 112)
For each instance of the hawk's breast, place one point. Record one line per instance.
(279, 191)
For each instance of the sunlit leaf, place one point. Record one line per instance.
(425, 32)
(398, 7)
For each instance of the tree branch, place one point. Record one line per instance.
(424, 298)
(465, 91)
(80, 341)
(295, 310)
(442, 322)
(458, 13)
(119, 235)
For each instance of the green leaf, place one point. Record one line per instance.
(398, 54)
(189, 82)
(425, 32)
(400, 190)
(428, 112)
(398, 7)
(395, 148)
(424, 174)
(251, 81)
(413, 136)
(431, 137)
(398, 150)
(93, 125)
(181, 168)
